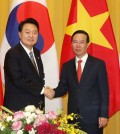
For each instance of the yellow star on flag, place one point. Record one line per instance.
(90, 24)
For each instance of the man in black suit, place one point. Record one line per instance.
(24, 77)
(89, 98)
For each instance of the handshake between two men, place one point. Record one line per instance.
(49, 92)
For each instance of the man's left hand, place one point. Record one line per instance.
(102, 122)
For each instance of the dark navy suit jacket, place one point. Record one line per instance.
(22, 82)
(90, 97)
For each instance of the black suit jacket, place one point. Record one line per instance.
(22, 82)
(89, 98)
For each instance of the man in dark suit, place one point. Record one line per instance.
(89, 97)
(24, 77)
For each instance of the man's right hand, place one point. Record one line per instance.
(49, 92)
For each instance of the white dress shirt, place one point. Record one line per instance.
(84, 58)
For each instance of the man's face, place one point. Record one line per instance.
(29, 35)
(79, 45)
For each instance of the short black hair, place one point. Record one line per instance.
(28, 20)
(81, 32)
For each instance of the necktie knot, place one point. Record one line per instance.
(79, 62)
(31, 54)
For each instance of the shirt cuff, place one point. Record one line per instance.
(42, 92)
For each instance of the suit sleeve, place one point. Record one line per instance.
(62, 87)
(104, 90)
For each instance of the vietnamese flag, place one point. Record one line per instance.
(93, 17)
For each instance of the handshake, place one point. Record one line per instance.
(49, 92)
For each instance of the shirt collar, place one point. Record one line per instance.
(84, 58)
(26, 49)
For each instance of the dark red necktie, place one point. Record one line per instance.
(79, 71)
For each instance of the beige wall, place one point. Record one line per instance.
(59, 11)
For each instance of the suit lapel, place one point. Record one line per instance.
(39, 64)
(73, 70)
(37, 57)
(86, 68)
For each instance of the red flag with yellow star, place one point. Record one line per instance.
(94, 18)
